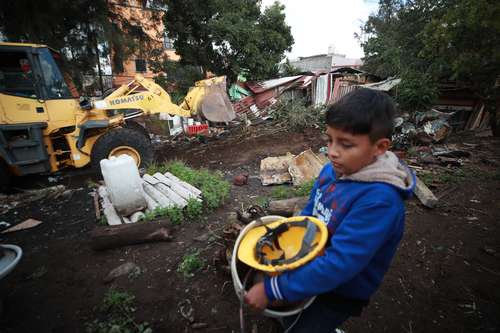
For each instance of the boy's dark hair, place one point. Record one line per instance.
(363, 111)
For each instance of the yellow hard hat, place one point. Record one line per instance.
(284, 244)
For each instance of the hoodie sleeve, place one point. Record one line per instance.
(358, 238)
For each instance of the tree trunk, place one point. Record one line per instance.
(126, 234)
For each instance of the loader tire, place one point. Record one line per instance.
(133, 125)
(120, 141)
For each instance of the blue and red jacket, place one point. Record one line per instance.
(365, 221)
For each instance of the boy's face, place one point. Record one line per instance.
(350, 153)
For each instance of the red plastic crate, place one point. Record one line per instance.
(197, 129)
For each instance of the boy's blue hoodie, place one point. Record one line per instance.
(364, 213)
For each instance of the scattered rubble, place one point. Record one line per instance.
(306, 166)
(8, 202)
(27, 224)
(158, 191)
(241, 180)
(291, 169)
(274, 170)
(425, 195)
(124, 269)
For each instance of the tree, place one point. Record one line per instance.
(81, 29)
(465, 41)
(425, 41)
(226, 36)
(392, 42)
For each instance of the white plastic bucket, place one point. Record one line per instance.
(238, 284)
(123, 184)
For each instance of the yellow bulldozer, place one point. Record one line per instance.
(46, 126)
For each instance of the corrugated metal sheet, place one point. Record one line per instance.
(258, 87)
(383, 85)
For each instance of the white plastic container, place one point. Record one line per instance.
(123, 184)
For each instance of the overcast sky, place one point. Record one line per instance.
(316, 24)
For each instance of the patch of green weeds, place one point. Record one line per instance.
(190, 264)
(444, 177)
(118, 311)
(285, 192)
(263, 202)
(212, 185)
(194, 209)
(305, 189)
(156, 167)
(297, 116)
(426, 178)
(451, 176)
(282, 192)
(174, 214)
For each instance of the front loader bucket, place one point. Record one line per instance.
(215, 105)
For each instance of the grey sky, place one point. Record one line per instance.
(318, 23)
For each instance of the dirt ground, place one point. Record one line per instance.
(445, 277)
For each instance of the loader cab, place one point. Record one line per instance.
(37, 107)
(32, 73)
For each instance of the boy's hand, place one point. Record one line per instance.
(256, 297)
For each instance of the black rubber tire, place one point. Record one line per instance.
(120, 137)
(5, 176)
(133, 125)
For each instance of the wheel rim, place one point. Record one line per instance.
(126, 150)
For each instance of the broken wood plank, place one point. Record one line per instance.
(96, 206)
(176, 187)
(191, 188)
(287, 207)
(109, 211)
(274, 170)
(158, 196)
(152, 204)
(172, 196)
(424, 194)
(102, 238)
(150, 179)
(27, 224)
(305, 167)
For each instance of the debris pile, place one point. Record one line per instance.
(291, 169)
(129, 200)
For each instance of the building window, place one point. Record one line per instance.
(117, 63)
(167, 43)
(140, 65)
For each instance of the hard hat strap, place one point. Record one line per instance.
(270, 239)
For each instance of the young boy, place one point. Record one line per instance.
(360, 196)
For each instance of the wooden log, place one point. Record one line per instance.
(287, 207)
(426, 197)
(96, 206)
(109, 237)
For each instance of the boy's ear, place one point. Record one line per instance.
(381, 146)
